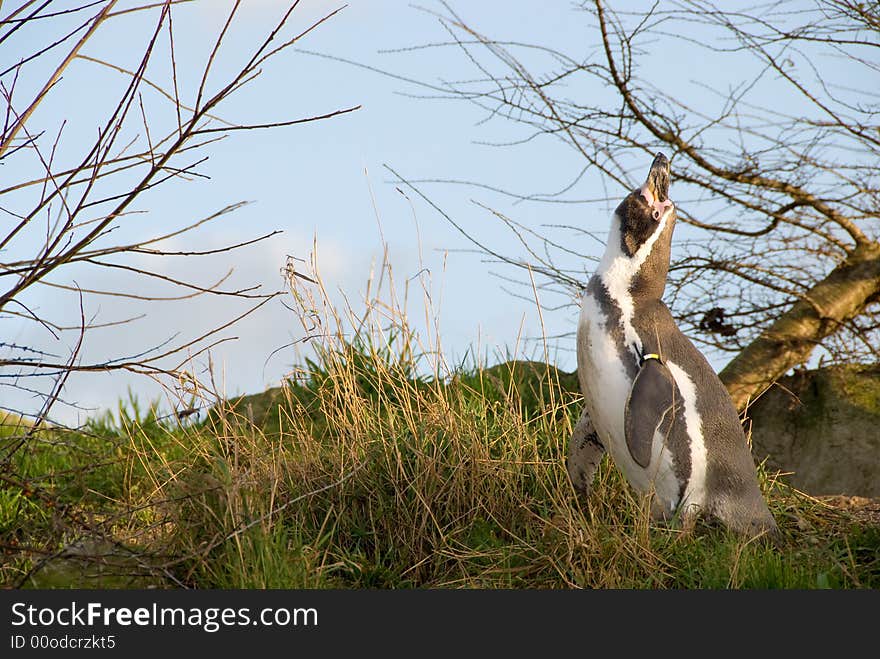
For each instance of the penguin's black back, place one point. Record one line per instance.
(730, 467)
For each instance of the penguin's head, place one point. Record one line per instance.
(643, 221)
(647, 211)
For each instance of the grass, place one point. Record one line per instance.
(377, 467)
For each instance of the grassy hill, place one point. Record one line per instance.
(364, 473)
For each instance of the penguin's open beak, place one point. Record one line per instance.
(657, 182)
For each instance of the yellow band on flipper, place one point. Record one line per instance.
(651, 355)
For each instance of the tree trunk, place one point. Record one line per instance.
(841, 296)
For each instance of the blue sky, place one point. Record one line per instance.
(325, 183)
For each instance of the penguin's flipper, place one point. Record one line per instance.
(649, 408)
(585, 451)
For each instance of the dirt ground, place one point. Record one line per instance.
(861, 508)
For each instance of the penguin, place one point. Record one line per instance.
(652, 400)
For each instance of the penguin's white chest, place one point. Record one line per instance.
(606, 386)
